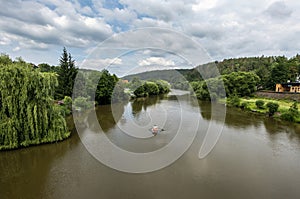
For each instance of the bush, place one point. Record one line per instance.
(245, 106)
(291, 114)
(294, 109)
(68, 102)
(288, 116)
(140, 91)
(273, 107)
(259, 104)
(151, 88)
(163, 86)
(82, 102)
(234, 101)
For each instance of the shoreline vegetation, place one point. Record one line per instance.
(35, 100)
(284, 110)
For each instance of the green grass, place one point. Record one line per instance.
(284, 106)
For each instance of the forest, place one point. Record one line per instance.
(269, 69)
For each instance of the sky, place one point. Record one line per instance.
(136, 35)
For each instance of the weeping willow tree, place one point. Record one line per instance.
(27, 113)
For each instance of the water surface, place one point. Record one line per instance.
(255, 157)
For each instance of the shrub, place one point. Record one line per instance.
(234, 101)
(82, 102)
(163, 86)
(140, 91)
(291, 114)
(259, 104)
(151, 88)
(273, 107)
(294, 109)
(288, 116)
(245, 106)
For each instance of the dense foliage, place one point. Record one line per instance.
(105, 87)
(292, 114)
(101, 87)
(146, 88)
(236, 83)
(27, 112)
(270, 70)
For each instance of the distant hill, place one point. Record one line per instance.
(271, 70)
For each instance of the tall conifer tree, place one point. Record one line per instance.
(66, 75)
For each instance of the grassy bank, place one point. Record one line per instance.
(287, 109)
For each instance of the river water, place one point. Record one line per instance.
(255, 157)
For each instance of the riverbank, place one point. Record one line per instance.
(287, 109)
(278, 95)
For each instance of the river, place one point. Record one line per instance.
(255, 157)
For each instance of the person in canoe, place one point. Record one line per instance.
(155, 130)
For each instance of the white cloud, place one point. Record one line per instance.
(100, 64)
(227, 28)
(16, 49)
(61, 26)
(204, 5)
(156, 61)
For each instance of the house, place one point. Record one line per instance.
(292, 87)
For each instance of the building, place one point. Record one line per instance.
(292, 87)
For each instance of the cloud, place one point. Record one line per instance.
(279, 10)
(227, 28)
(204, 5)
(156, 61)
(62, 25)
(100, 64)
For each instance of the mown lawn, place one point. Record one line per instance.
(284, 105)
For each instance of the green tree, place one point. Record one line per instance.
(105, 87)
(240, 83)
(272, 107)
(151, 88)
(44, 67)
(5, 60)
(140, 91)
(27, 114)
(291, 114)
(163, 86)
(279, 72)
(118, 94)
(66, 75)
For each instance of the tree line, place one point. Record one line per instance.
(270, 70)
